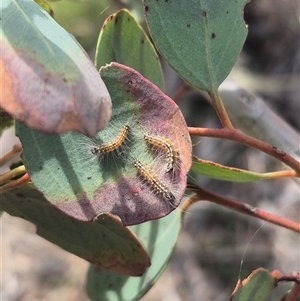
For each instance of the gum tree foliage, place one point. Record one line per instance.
(116, 192)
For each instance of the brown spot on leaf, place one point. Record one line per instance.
(146, 8)
(21, 195)
(204, 13)
(188, 25)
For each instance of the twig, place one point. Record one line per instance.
(12, 174)
(242, 138)
(15, 184)
(254, 117)
(17, 148)
(247, 209)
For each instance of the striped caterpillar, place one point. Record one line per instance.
(172, 156)
(114, 145)
(154, 182)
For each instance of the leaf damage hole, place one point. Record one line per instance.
(213, 35)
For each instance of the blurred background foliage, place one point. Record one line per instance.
(84, 18)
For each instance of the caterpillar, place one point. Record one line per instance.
(112, 146)
(172, 155)
(153, 181)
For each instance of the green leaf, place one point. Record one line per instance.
(47, 78)
(104, 242)
(159, 237)
(122, 40)
(200, 39)
(256, 287)
(220, 172)
(46, 6)
(83, 184)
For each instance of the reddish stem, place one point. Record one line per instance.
(294, 276)
(15, 184)
(247, 209)
(242, 138)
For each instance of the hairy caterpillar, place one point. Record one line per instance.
(113, 145)
(172, 155)
(153, 181)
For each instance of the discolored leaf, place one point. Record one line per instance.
(122, 40)
(83, 184)
(105, 242)
(217, 171)
(256, 287)
(201, 40)
(48, 80)
(159, 238)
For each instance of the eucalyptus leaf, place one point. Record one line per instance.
(217, 171)
(200, 39)
(48, 80)
(159, 237)
(46, 6)
(104, 242)
(122, 40)
(256, 287)
(84, 182)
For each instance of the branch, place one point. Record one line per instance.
(12, 174)
(242, 138)
(16, 149)
(15, 184)
(203, 194)
(250, 114)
